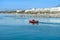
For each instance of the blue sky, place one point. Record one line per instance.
(24, 4)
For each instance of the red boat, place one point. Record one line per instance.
(33, 21)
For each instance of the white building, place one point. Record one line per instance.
(19, 10)
(44, 9)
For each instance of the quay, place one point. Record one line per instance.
(36, 12)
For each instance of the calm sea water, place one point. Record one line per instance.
(13, 27)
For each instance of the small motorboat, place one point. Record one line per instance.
(34, 21)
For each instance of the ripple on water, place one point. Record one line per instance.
(15, 28)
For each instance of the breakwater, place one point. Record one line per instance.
(40, 15)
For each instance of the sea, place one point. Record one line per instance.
(14, 27)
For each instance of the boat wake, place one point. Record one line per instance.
(49, 23)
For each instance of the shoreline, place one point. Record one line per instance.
(36, 15)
